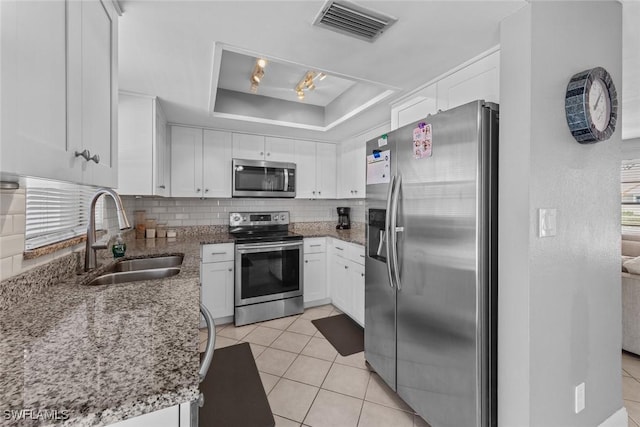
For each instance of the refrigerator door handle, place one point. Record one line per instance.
(393, 232)
(387, 229)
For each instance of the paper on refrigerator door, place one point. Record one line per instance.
(379, 167)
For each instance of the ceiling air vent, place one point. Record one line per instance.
(353, 20)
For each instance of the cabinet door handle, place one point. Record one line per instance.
(361, 256)
(314, 246)
(231, 269)
(163, 187)
(346, 266)
(218, 253)
(197, 190)
(268, 154)
(95, 158)
(306, 261)
(262, 153)
(206, 190)
(362, 274)
(339, 248)
(319, 193)
(313, 192)
(85, 154)
(351, 191)
(355, 191)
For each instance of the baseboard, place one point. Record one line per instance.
(317, 302)
(620, 418)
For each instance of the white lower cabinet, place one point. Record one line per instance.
(167, 417)
(346, 278)
(315, 270)
(217, 279)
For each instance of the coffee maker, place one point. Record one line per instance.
(343, 219)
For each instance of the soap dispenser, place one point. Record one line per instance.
(119, 247)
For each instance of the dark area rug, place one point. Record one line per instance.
(233, 392)
(343, 333)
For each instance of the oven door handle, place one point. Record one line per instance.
(241, 248)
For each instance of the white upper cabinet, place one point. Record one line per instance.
(142, 146)
(315, 170)
(216, 166)
(352, 169)
(478, 79)
(200, 162)
(259, 147)
(305, 160)
(58, 77)
(326, 170)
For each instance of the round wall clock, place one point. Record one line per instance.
(591, 106)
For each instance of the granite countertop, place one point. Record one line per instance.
(105, 353)
(102, 354)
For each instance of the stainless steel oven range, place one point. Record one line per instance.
(269, 260)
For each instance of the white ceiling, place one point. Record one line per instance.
(166, 49)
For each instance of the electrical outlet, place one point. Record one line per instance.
(547, 222)
(579, 398)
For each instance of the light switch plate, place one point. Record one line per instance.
(579, 398)
(547, 222)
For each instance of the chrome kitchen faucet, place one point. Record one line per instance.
(91, 246)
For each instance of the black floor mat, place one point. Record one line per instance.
(343, 333)
(233, 392)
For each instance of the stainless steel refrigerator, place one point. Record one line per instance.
(431, 292)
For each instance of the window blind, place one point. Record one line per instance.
(57, 211)
(630, 196)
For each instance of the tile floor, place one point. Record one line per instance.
(631, 387)
(309, 384)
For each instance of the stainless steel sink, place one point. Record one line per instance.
(148, 263)
(134, 270)
(133, 276)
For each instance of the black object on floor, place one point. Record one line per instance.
(343, 333)
(233, 392)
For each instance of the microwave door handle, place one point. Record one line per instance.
(286, 180)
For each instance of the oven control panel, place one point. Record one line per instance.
(258, 218)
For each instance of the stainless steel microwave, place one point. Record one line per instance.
(260, 178)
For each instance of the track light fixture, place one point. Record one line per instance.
(257, 74)
(307, 83)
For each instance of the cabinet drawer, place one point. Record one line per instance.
(218, 252)
(315, 245)
(349, 251)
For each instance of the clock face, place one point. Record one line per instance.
(591, 106)
(599, 105)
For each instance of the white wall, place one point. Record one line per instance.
(560, 307)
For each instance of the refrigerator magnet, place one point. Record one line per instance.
(422, 141)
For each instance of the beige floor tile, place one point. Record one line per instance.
(202, 334)
(308, 370)
(379, 392)
(281, 323)
(326, 307)
(320, 348)
(283, 422)
(262, 335)
(419, 422)
(268, 381)
(202, 346)
(221, 327)
(631, 423)
(302, 326)
(290, 341)
(291, 399)
(630, 389)
(315, 313)
(275, 362)
(236, 333)
(256, 349)
(625, 373)
(374, 415)
(224, 342)
(347, 380)
(631, 364)
(333, 410)
(633, 409)
(336, 311)
(356, 360)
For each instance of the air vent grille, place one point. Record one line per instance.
(354, 20)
